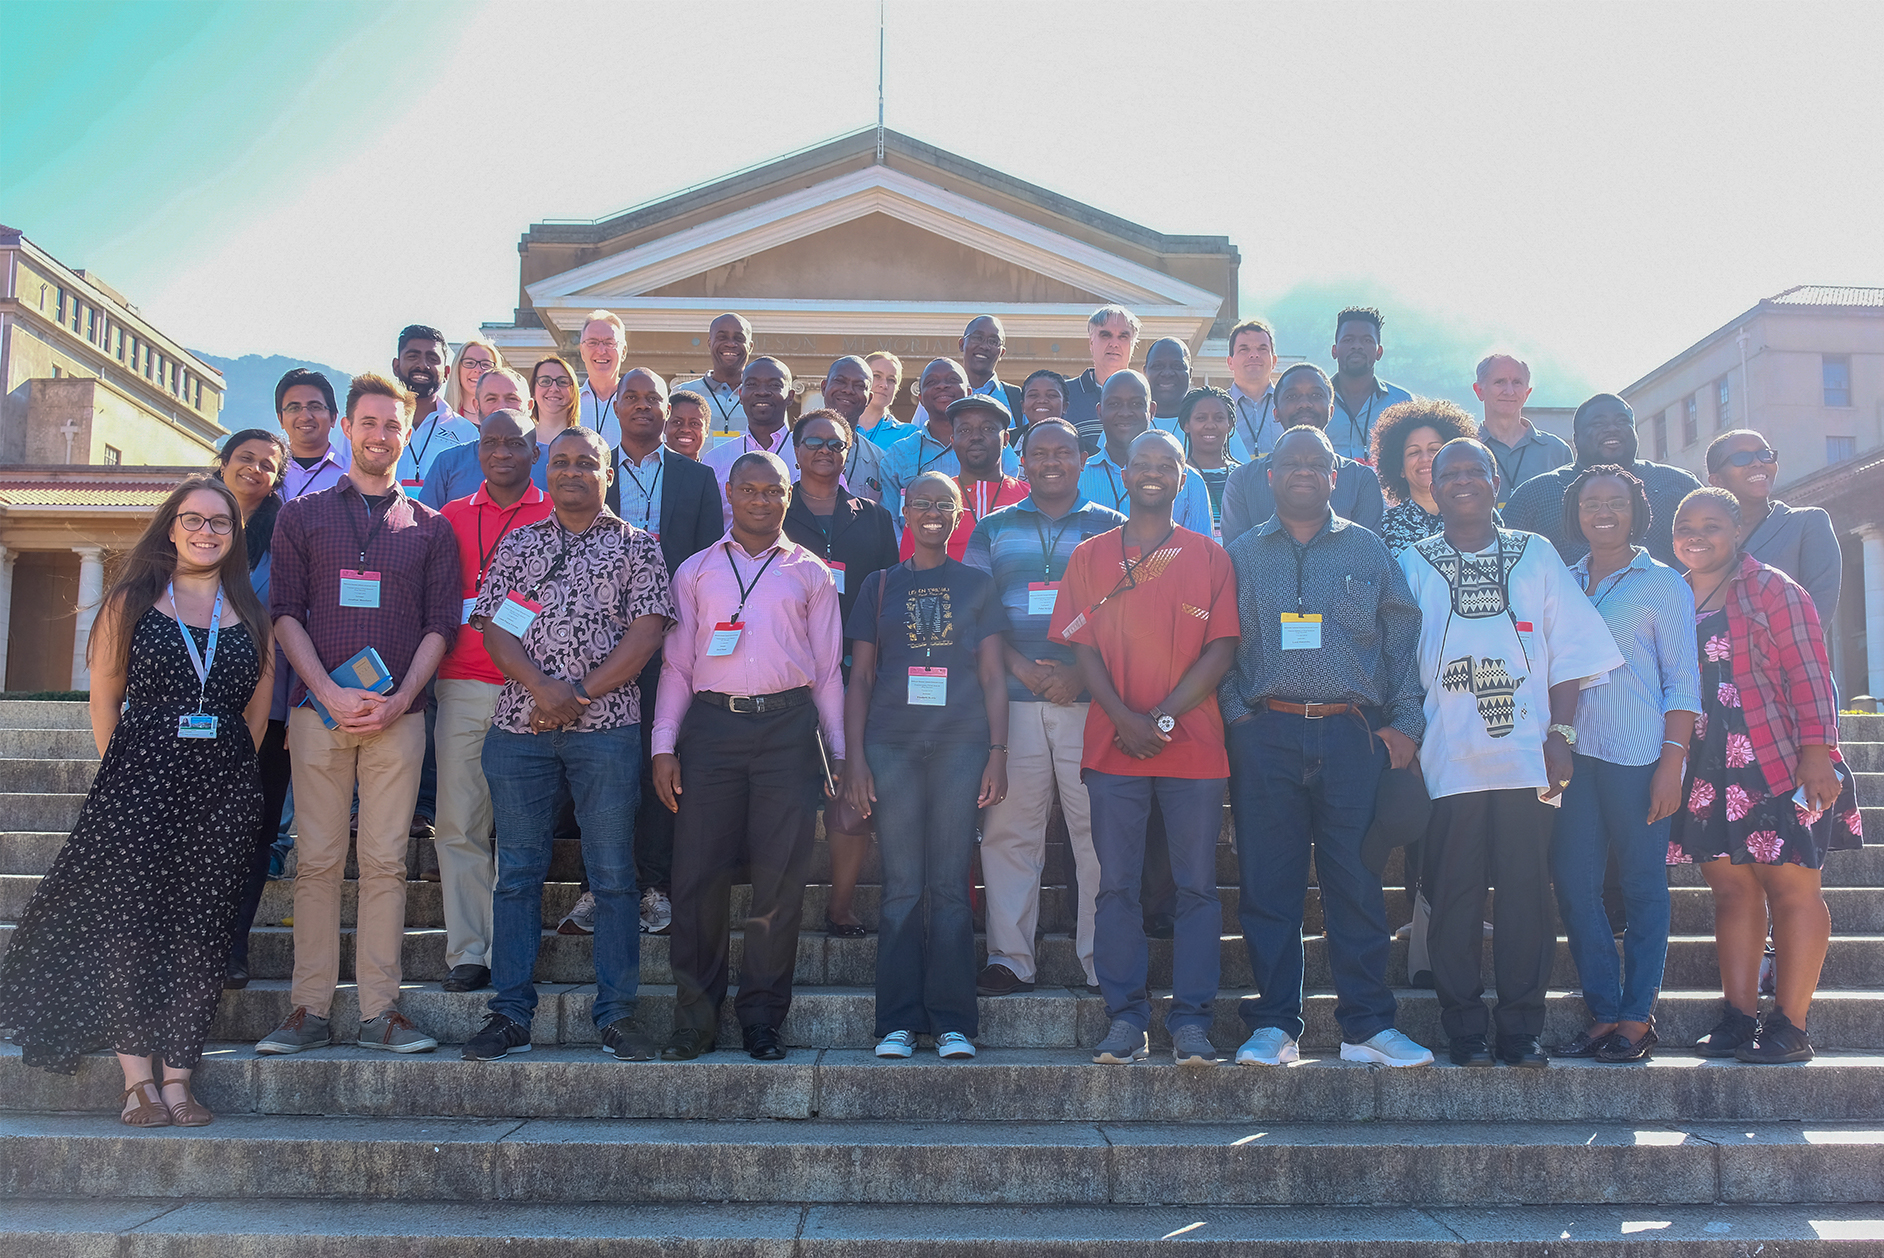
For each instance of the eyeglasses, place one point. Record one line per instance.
(1747, 458)
(317, 410)
(592, 343)
(1617, 505)
(918, 506)
(554, 382)
(823, 443)
(475, 365)
(220, 525)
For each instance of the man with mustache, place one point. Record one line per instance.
(1303, 397)
(1360, 395)
(420, 365)
(305, 409)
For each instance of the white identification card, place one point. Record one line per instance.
(929, 687)
(465, 617)
(196, 725)
(1301, 632)
(837, 574)
(725, 637)
(517, 614)
(359, 589)
(1041, 596)
(1525, 635)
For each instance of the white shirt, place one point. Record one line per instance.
(1489, 653)
(598, 412)
(298, 481)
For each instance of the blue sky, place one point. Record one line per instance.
(1597, 185)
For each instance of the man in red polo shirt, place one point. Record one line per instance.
(1150, 610)
(980, 443)
(468, 685)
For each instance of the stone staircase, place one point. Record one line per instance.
(835, 1153)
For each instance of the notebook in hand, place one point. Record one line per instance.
(365, 671)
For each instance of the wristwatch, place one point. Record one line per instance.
(1163, 720)
(1569, 733)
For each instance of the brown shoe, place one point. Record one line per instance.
(149, 1110)
(189, 1112)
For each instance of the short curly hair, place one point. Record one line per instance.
(1640, 512)
(1397, 422)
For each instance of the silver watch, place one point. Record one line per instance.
(1163, 720)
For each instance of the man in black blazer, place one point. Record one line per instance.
(677, 500)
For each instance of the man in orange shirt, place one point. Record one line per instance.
(979, 441)
(1150, 610)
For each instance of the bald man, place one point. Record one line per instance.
(1124, 413)
(729, 343)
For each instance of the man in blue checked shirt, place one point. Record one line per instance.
(1125, 412)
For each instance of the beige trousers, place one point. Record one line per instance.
(327, 764)
(467, 863)
(1044, 742)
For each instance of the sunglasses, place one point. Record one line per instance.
(822, 443)
(1747, 458)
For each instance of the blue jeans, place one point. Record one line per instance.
(1294, 782)
(1605, 808)
(528, 775)
(925, 815)
(1193, 815)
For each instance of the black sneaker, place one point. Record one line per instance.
(1470, 1050)
(625, 1039)
(1522, 1050)
(998, 980)
(1732, 1031)
(499, 1037)
(1777, 1042)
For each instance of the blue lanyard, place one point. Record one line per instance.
(201, 663)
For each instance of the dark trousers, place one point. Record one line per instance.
(1296, 782)
(1499, 839)
(654, 825)
(272, 760)
(748, 798)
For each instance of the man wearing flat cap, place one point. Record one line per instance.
(979, 442)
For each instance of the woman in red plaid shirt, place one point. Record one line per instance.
(1766, 787)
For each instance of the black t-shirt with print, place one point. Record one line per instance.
(935, 618)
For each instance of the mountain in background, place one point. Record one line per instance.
(250, 399)
(1428, 355)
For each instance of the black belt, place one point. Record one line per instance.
(756, 705)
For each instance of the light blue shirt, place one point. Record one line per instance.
(1101, 481)
(920, 452)
(1353, 431)
(444, 429)
(888, 431)
(1650, 612)
(1256, 427)
(640, 485)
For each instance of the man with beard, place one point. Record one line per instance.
(436, 428)
(1359, 394)
(603, 343)
(729, 342)
(765, 394)
(1168, 371)
(978, 436)
(1604, 432)
(931, 447)
(304, 407)
(1302, 397)
(1111, 334)
(847, 391)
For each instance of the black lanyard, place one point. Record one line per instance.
(1619, 574)
(922, 464)
(374, 522)
(745, 591)
(1112, 481)
(484, 556)
(1256, 436)
(1364, 428)
(724, 412)
(555, 569)
(418, 460)
(648, 490)
(1301, 562)
(1049, 545)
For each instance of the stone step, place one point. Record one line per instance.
(66, 776)
(979, 1163)
(1860, 727)
(44, 714)
(32, 810)
(1863, 757)
(48, 744)
(1012, 1085)
(824, 1016)
(313, 1229)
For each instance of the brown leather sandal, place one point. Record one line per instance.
(149, 1110)
(189, 1112)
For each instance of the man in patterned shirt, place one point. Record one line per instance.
(571, 610)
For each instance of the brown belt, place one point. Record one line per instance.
(756, 705)
(1313, 711)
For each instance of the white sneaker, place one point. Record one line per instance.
(1270, 1046)
(657, 912)
(580, 920)
(1387, 1048)
(954, 1045)
(901, 1044)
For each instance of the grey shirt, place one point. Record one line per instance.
(1535, 453)
(1370, 625)
(1537, 507)
(1248, 500)
(1801, 543)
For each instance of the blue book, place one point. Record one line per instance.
(365, 671)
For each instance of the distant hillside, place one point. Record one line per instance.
(250, 401)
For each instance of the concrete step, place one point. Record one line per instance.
(44, 714)
(313, 1229)
(1863, 757)
(48, 744)
(824, 1016)
(66, 776)
(961, 1163)
(24, 810)
(1860, 727)
(1018, 1085)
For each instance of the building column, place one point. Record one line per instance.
(1873, 535)
(91, 591)
(7, 558)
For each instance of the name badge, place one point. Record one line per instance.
(1041, 596)
(837, 574)
(415, 483)
(359, 589)
(465, 617)
(1301, 632)
(929, 687)
(517, 614)
(725, 637)
(196, 725)
(1525, 634)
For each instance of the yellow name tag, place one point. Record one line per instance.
(1301, 632)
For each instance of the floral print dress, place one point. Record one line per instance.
(1728, 810)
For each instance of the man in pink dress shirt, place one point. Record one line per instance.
(750, 677)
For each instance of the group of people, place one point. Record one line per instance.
(503, 610)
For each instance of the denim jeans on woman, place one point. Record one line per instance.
(1606, 808)
(925, 814)
(529, 775)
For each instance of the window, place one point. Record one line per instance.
(1836, 370)
(1661, 436)
(91, 324)
(60, 312)
(113, 456)
(76, 312)
(199, 395)
(1723, 408)
(56, 373)
(1690, 421)
(1838, 449)
(120, 344)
